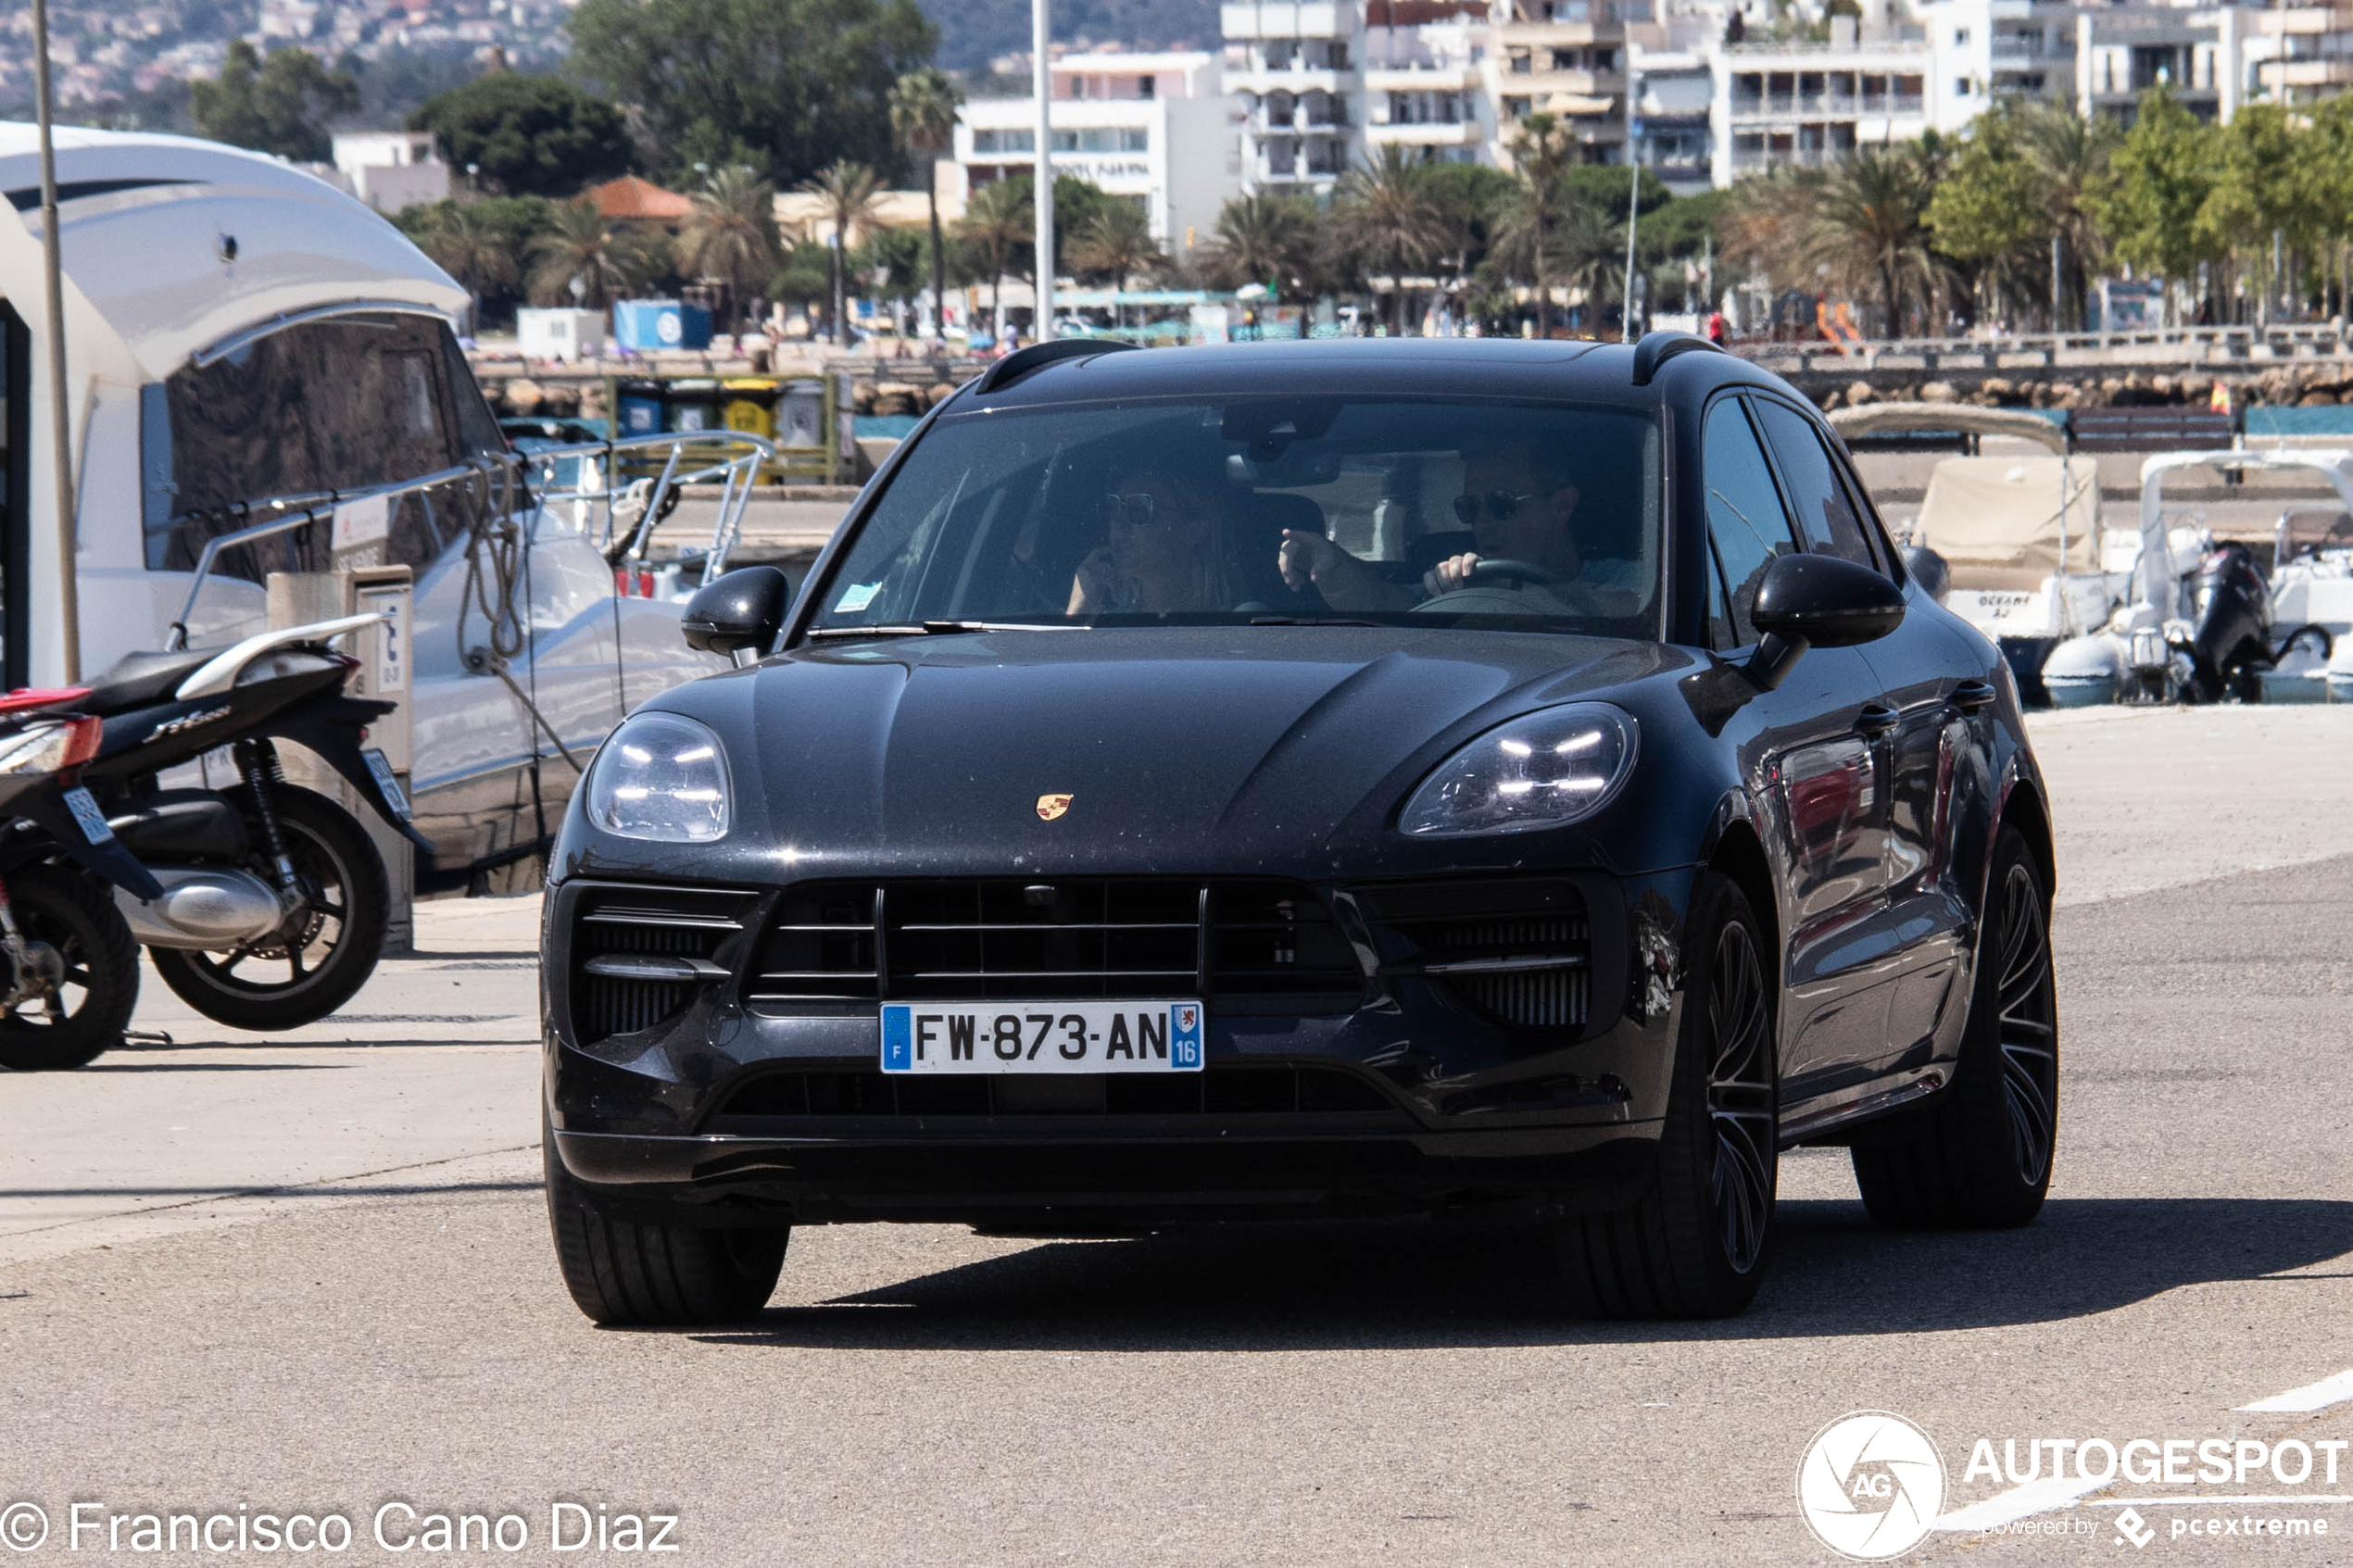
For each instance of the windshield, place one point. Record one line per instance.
(1534, 517)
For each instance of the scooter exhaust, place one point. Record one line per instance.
(202, 908)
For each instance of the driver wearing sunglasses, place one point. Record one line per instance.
(1517, 507)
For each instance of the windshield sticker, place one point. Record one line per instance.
(857, 598)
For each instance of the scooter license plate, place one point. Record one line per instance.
(380, 766)
(87, 816)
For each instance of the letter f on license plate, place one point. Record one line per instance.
(1030, 1037)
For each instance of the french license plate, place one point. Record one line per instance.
(1152, 1036)
(380, 766)
(86, 815)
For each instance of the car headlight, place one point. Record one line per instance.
(662, 777)
(1546, 770)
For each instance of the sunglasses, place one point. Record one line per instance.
(1499, 504)
(1136, 510)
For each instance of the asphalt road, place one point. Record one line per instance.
(313, 1276)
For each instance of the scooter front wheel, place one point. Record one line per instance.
(324, 953)
(82, 1014)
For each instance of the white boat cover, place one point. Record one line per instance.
(1997, 521)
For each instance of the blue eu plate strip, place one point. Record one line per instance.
(898, 1053)
(1184, 1037)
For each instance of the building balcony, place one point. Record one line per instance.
(2334, 70)
(1464, 134)
(1560, 35)
(1258, 80)
(1421, 78)
(1540, 84)
(1800, 105)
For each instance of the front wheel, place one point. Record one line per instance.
(642, 1273)
(87, 968)
(1978, 1155)
(1694, 1245)
(324, 952)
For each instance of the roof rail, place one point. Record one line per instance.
(1021, 361)
(1657, 348)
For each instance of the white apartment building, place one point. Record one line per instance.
(390, 169)
(1566, 58)
(1295, 68)
(1156, 128)
(1426, 76)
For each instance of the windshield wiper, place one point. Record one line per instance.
(933, 629)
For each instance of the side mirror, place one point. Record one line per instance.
(739, 614)
(1824, 600)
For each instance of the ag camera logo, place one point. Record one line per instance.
(1870, 1485)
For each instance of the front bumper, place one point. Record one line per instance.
(1407, 1101)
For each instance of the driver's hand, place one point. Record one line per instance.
(1095, 584)
(1303, 557)
(1452, 575)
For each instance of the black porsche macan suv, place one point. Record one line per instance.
(1327, 779)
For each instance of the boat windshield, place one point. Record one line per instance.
(1393, 510)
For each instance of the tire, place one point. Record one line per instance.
(1978, 1156)
(337, 938)
(1694, 1245)
(85, 1017)
(634, 1273)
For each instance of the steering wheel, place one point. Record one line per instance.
(1491, 572)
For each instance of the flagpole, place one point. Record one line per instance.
(1041, 30)
(60, 432)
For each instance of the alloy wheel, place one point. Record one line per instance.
(2026, 1024)
(1740, 1095)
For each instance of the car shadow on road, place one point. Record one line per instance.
(1363, 1286)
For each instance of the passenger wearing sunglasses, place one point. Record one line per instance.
(1165, 552)
(1517, 507)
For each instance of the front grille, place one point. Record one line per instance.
(1517, 951)
(641, 953)
(1221, 1089)
(1266, 946)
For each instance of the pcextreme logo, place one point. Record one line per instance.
(1871, 1485)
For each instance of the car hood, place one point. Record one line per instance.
(1199, 748)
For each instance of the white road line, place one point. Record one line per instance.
(2311, 1397)
(2019, 1503)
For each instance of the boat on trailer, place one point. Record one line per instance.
(263, 376)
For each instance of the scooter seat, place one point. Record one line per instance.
(137, 680)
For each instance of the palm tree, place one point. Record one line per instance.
(469, 250)
(1265, 237)
(729, 235)
(2071, 155)
(1541, 153)
(1869, 227)
(848, 191)
(923, 112)
(1383, 216)
(576, 244)
(1591, 243)
(1000, 224)
(1116, 244)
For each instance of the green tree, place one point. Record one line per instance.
(480, 243)
(923, 111)
(576, 243)
(1989, 212)
(1869, 227)
(2158, 186)
(1385, 220)
(1266, 237)
(847, 191)
(2071, 154)
(1115, 243)
(1000, 229)
(279, 106)
(1541, 152)
(730, 233)
(801, 84)
(2265, 187)
(531, 135)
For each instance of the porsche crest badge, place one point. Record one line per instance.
(1051, 806)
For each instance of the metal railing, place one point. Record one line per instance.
(601, 492)
(2196, 344)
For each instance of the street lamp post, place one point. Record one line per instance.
(60, 436)
(1041, 30)
(1633, 195)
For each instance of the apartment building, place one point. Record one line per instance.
(1566, 58)
(2299, 52)
(1425, 78)
(1156, 128)
(1296, 70)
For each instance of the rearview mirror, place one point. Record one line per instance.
(738, 615)
(1808, 601)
